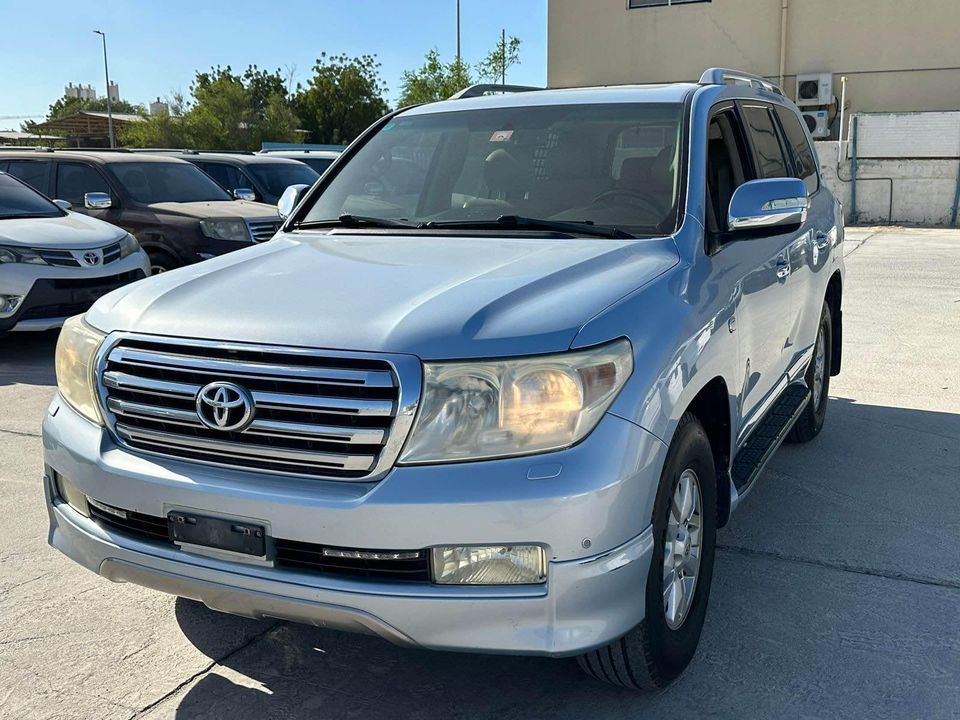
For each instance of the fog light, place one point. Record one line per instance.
(492, 565)
(9, 304)
(69, 493)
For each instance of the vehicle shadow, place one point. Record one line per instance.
(27, 358)
(753, 658)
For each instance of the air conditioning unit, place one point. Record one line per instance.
(814, 89)
(818, 122)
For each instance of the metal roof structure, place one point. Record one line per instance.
(86, 124)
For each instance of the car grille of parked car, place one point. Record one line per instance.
(318, 415)
(65, 258)
(263, 230)
(399, 565)
(75, 295)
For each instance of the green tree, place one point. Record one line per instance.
(165, 129)
(434, 80)
(505, 55)
(342, 99)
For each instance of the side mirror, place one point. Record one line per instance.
(290, 199)
(244, 194)
(778, 202)
(63, 204)
(97, 201)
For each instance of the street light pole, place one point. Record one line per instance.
(458, 32)
(106, 72)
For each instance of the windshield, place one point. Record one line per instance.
(277, 178)
(155, 182)
(613, 165)
(19, 201)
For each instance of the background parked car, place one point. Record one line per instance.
(55, 263)
(236, 172)
(177, 212)
(319, 160)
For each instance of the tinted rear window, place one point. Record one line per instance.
(35, 173)
(771, 161)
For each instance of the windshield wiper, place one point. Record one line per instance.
(356, 221)
(519, 222)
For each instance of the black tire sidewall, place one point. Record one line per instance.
(672, 650)
(820, 411)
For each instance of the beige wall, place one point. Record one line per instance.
(885, 47)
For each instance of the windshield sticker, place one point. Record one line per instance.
(501, 136)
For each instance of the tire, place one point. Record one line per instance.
(161, 261)
(810, 423)
(654, 654)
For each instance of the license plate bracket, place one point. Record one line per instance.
(218, 533)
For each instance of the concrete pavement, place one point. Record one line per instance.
(836, 589)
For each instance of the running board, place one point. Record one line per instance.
(769, 435)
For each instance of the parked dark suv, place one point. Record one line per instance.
(179, 215)
(266, 177)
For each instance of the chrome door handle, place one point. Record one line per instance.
(783, 268)
(821, 240)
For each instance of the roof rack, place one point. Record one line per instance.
(487, 88)
(47, 148)
(163, 150)
(725, 76)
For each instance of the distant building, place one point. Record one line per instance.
(80, 92)
(158, 107)
(114, 91)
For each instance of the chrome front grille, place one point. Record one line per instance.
(315, 413)
(263, 230)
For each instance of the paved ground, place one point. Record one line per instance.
(837, 590)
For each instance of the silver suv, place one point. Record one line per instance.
(493, 387)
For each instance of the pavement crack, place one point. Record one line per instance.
(200, 673)
(842, 567)
(21, 433)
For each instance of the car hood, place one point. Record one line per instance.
(218, 209)
(436, 297)
(71, 232)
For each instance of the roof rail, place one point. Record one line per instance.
(726, 76)
(162, 150)
(485, 88)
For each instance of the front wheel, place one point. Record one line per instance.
(161, 261)
(658, 650)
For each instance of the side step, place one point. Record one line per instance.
(769, 434)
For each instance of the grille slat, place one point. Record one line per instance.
(339, 420)
(263, 230)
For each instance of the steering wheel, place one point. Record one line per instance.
(610, 197)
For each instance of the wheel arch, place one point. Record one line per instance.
(711, 407)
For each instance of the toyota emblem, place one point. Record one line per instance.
(91, 258)
(225, 406)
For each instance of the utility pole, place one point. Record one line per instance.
(503, 54)
(458, 32)
(106, 72)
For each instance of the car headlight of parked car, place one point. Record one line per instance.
(75, 363)
(128, 245)
(20, 255)
(502, 408)
(227, 229)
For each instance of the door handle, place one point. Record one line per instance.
(783, 268)
(821, 240)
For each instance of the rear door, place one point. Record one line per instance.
(35, 173)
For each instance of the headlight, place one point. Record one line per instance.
(128, 246)
(20, 255)
(489, 409)
(225, 230)
(76, 351)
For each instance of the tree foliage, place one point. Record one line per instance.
(505, 55)
(342, 99)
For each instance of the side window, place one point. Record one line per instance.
(225, 175)
(35, 173)
(770, 156)
(75, 180)
(804, 157)
(726, 166)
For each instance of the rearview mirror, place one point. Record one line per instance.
(244, 194)
(63, 204)
(290, 199)
(778, 202)
(97, 200)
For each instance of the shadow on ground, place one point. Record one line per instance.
(27, 358)
(789, 634)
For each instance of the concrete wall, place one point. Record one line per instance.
(890, 50)
(923, 190)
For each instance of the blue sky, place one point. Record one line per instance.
(155, 47)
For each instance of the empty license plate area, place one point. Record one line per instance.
(232, 535)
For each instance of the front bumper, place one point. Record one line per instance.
(601, 490)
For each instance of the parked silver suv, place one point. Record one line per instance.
(494, 386)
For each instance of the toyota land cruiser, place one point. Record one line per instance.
(493, 387)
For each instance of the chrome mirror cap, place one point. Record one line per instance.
(97, 200)
(777, 202)
(63, 204)
(289, 200)
(244, 194)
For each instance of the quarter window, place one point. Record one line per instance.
(804, 159)
(770, 155)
